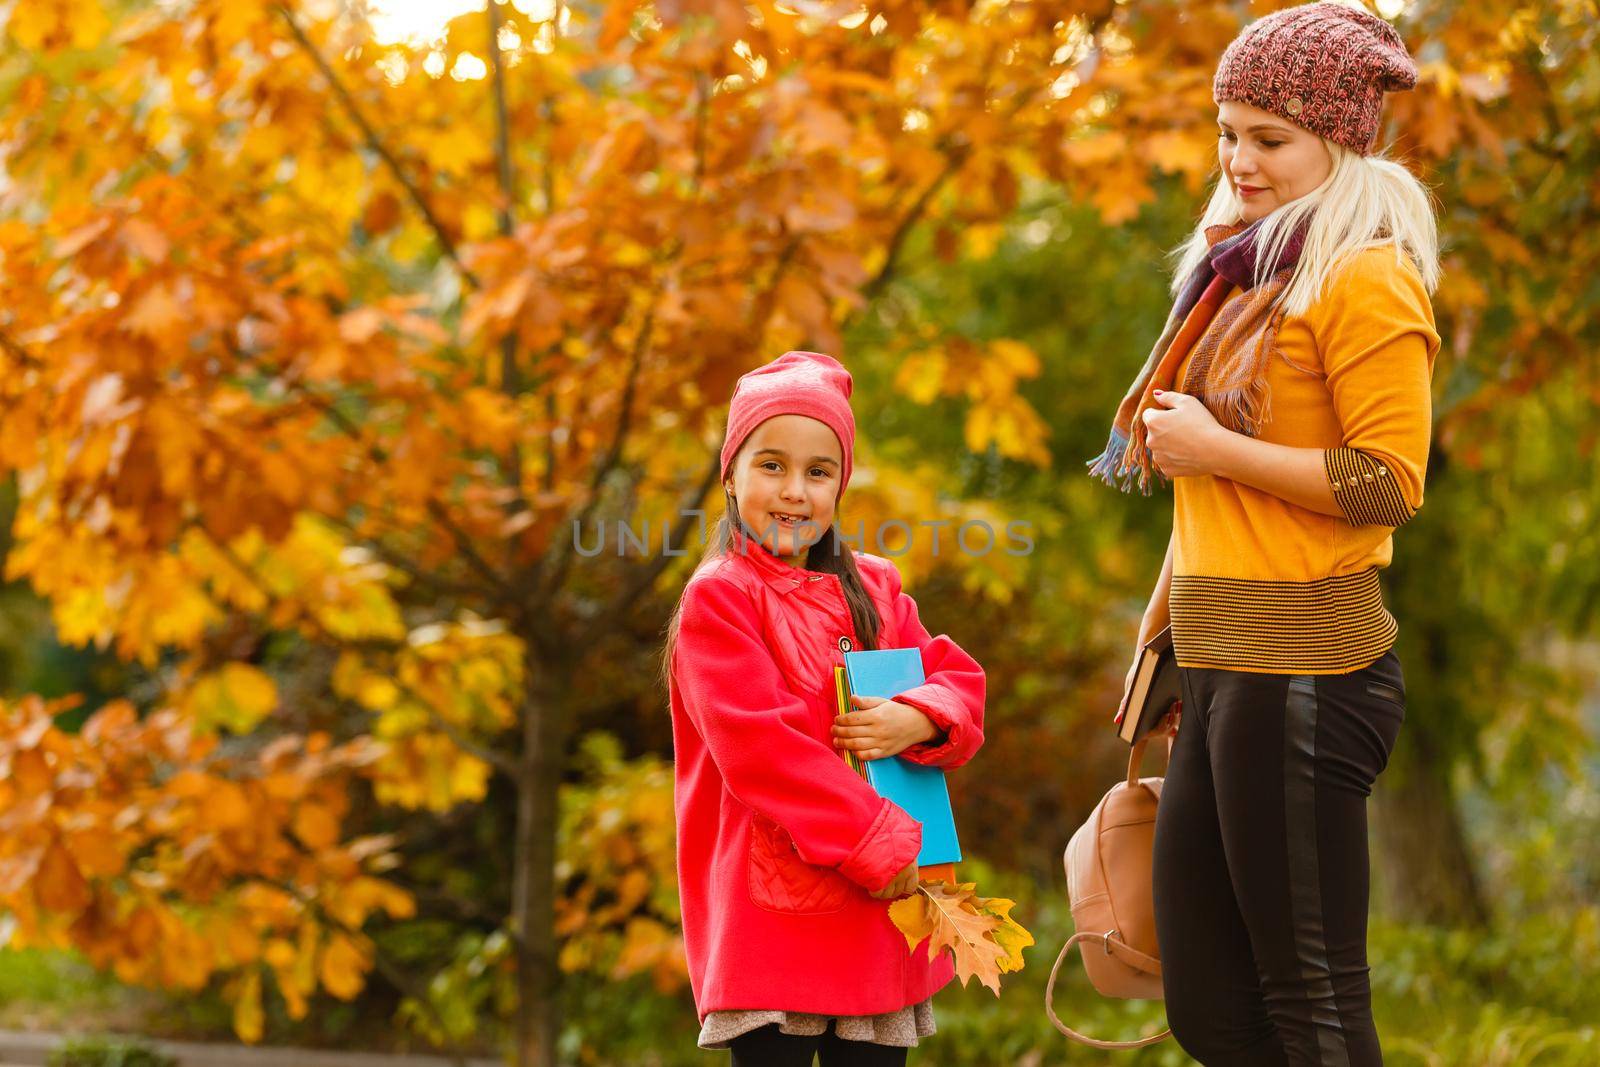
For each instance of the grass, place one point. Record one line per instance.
(55, 990)
(1522, 996)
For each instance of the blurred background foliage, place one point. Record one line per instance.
(987, 363)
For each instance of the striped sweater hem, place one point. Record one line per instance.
(1331, 625)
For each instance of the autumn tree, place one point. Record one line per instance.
(314, 338)
(323, 348)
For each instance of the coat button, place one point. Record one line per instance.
(844, 644)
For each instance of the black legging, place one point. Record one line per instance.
(768, 1047)
(1261, 872)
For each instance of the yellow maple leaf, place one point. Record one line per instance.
(1009, 935)
(957, 919)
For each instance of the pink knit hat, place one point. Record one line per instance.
(796, 383)
(1323, 66)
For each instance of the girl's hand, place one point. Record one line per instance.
(1183, 436)
(882, 728)
(903, 885)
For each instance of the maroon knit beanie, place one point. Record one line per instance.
(796, 383)
(1323, 66)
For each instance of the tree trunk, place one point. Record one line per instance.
(1423, 862)
(544, 738)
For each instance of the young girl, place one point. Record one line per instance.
(787, 860)
(1288, 401)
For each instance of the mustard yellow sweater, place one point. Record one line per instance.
(1266, 586)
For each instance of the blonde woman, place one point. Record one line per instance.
(1288, 402)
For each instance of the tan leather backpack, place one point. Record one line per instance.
(1109, 882)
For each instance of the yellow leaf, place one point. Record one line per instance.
(981, 239)
(643, 943)
(279, 953)
(361, 325)
(1181, 150)
(237, 697)
(949, 918)
(30, 771)
(1091, 152)
(343, 966)
(58, 884)
(96, 851)
(921, 376)
(247, 1014)
(156, 313)
(488, 419)
(88, 24)
(224, 804)
(146, 238)
(1017, 357)
(315, 826)
(241, 940)
(913, 917)
(1009, 935)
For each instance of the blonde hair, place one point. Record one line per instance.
(1365, 202)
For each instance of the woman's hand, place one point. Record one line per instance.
(881, 728)
(1168, 723)
(903, 885)
(1183, 435)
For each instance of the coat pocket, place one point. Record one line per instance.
(783, 882)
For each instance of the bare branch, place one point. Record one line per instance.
(613, 454)
(458, 737)
(761, 307)
(908, 221)
(702, 100)
(647, 573)
(19, 351)
(510, 373)
(498, 760)
(502, 123)
(393, 973)
(955, 158)
(376, 144)
(497, 584)
(439, 585)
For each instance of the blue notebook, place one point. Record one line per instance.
(920, 790)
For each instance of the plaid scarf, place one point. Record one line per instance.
(1228, 372)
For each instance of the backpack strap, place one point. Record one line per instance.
(1050, 996)
(1167, 728)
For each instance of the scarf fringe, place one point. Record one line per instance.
(1112, 468)
(1241, 403)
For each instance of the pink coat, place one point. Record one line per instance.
(779, 841)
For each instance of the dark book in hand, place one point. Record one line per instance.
(1155, 688)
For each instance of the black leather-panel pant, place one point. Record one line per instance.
(1261, 868)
